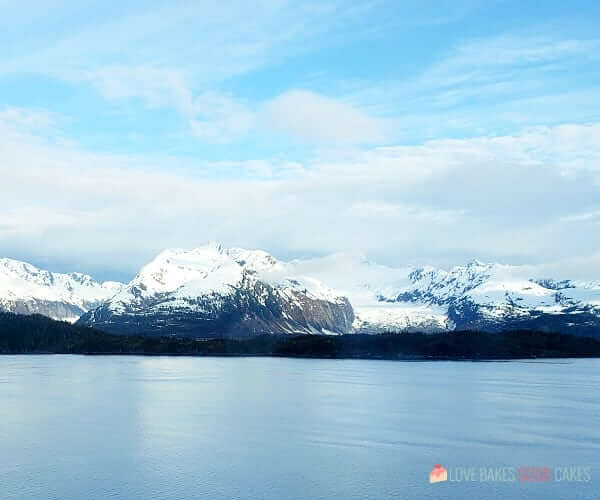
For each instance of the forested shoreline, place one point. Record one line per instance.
(20, 334)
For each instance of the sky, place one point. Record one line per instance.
(412, 133)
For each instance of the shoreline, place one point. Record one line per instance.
(304, 356)
(40, 335)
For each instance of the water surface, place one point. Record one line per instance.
(76, 427)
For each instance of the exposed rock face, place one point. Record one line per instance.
(213, 292)
(25, 289)
(61, 311)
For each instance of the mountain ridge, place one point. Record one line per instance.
(239, 292)
(26, 289)
(211, 291)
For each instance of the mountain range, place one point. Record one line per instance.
(25, 289)
(213, 291)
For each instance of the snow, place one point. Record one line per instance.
(211, 271)
(400, 317)
(23, 282)
(383, 297)
(400, 298)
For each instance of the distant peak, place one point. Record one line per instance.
(213, 245)
(477, 263)
(9, 261)
(13, 265)
(175, 252)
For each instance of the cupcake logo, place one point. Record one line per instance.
(438, 474)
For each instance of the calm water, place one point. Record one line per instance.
(186, 428)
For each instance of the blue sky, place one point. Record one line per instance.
(423, 132)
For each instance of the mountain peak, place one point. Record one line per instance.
(211, 278)
(212, 254)
(14, 265)
(478, 263)
(208, 267)
(223, 289)
(25, 288)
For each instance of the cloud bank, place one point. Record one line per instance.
(529, 198)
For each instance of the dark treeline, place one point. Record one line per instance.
(38, 334)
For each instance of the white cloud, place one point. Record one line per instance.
(316, 118)
(212, 116)
(211, 41)
(506, 64)
(495, 84)
(28, 119)
(220, 117)
(496, 198)
(157, 87)
(172, 56)
(509, 50)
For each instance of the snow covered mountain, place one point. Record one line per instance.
(367, 286)
(213, 291)
(479, 295)
(25, 289)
